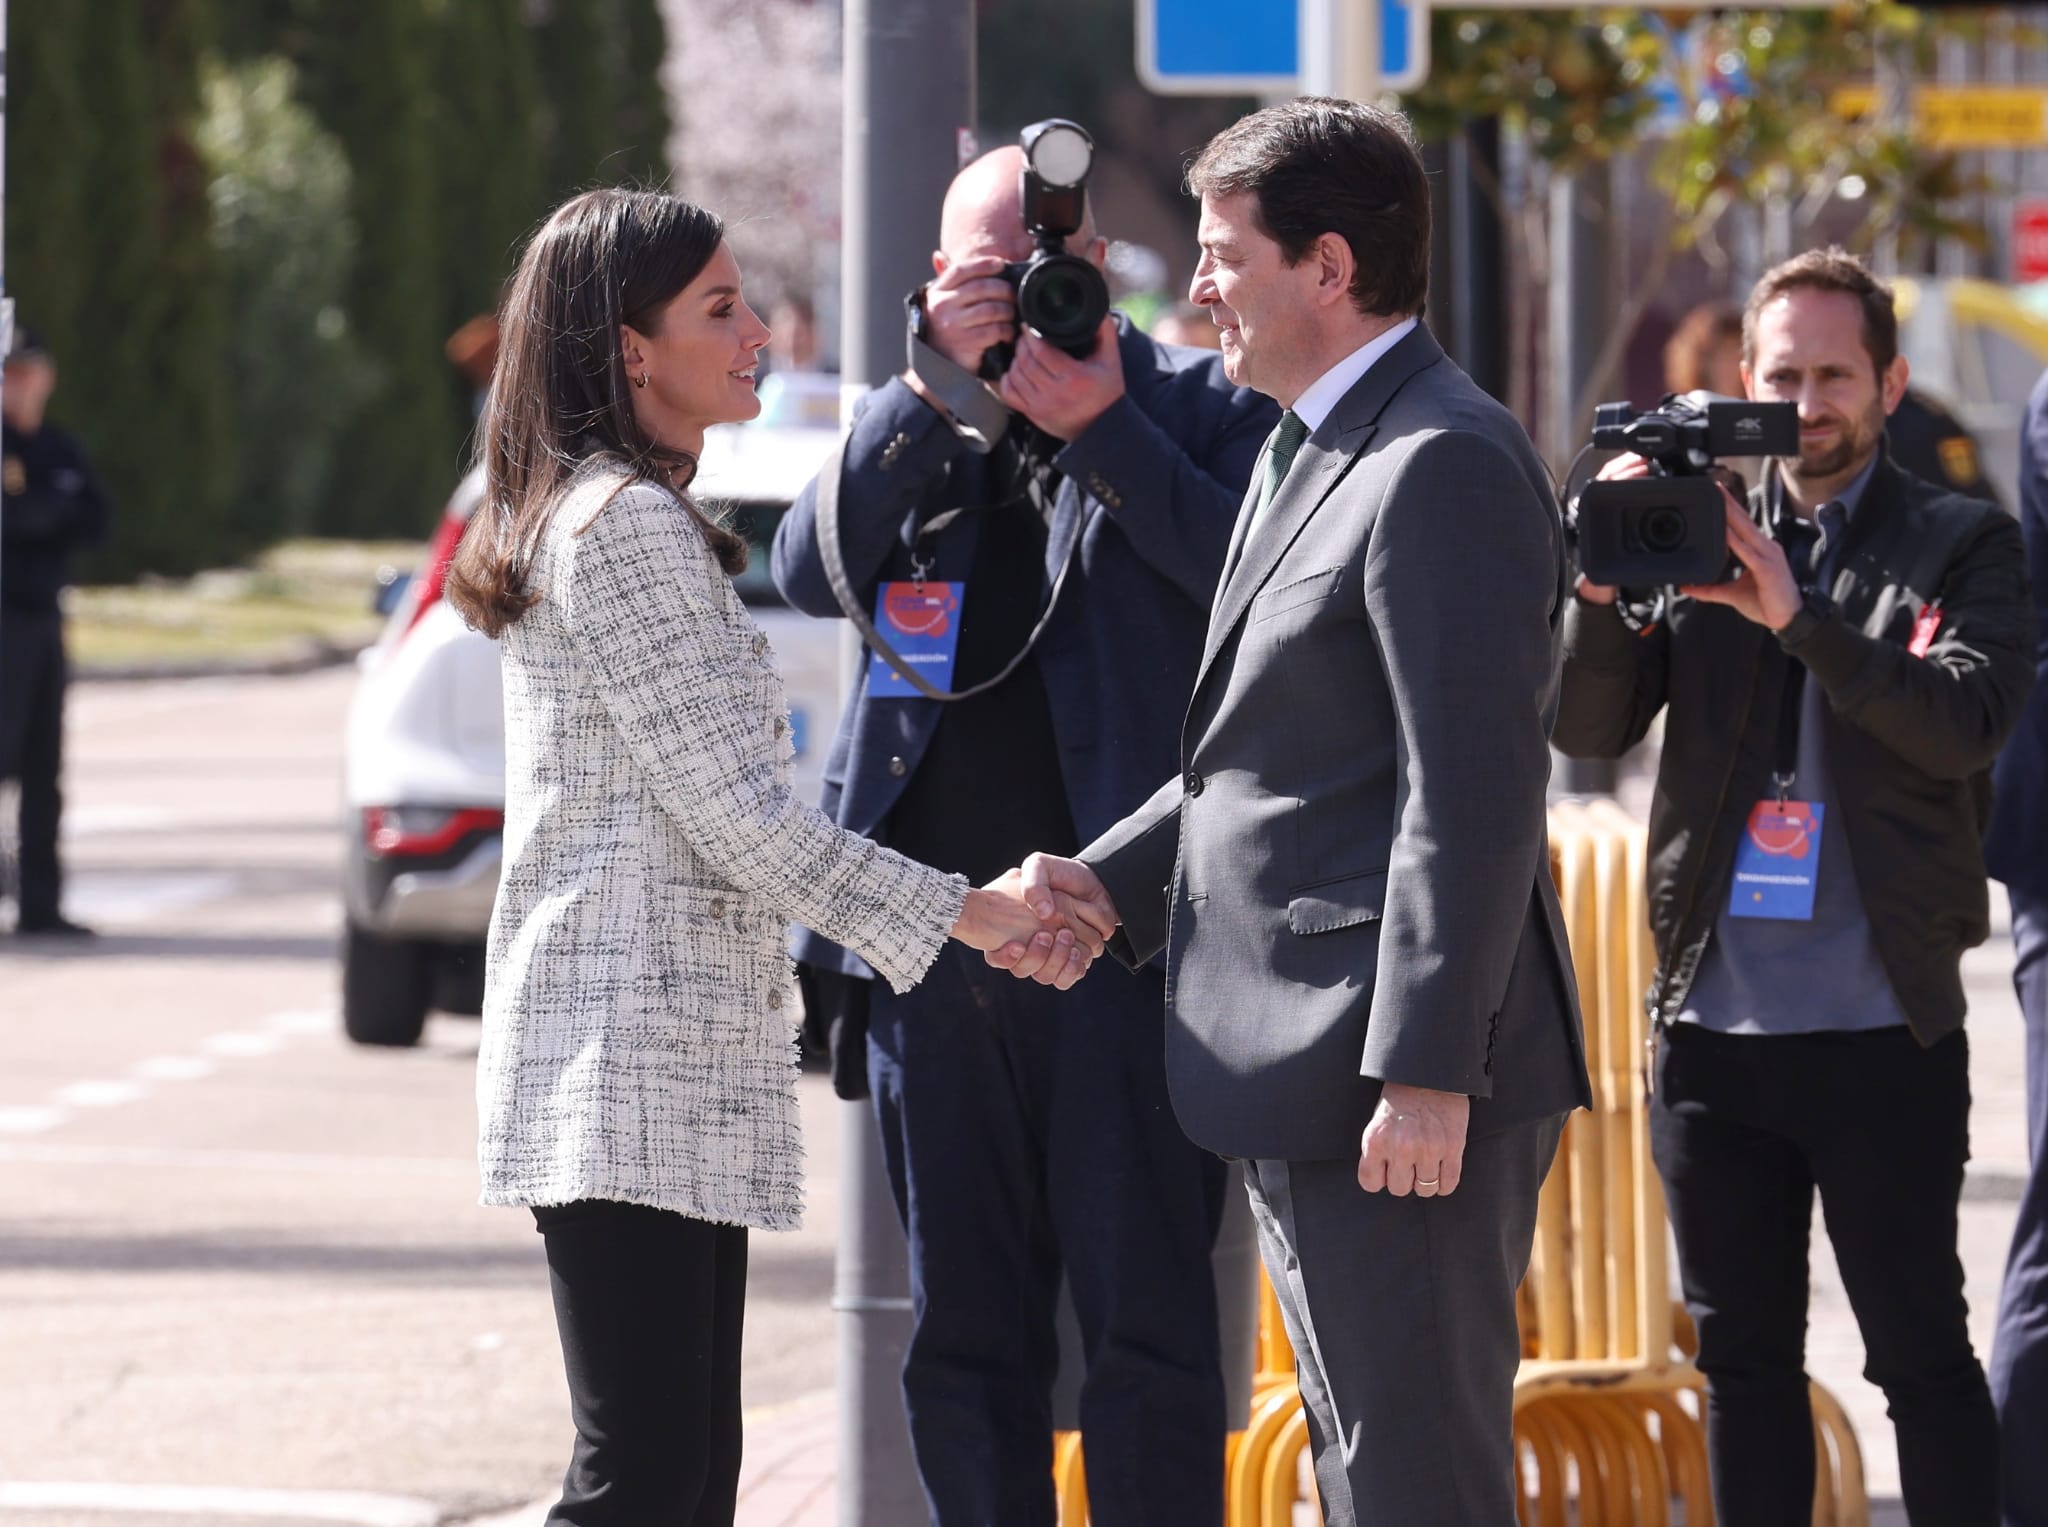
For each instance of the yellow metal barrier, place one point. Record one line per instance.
(1609, 1428)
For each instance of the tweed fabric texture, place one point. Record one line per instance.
(639, 1028)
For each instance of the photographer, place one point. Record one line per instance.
(1816, 873)
(1025, 1132)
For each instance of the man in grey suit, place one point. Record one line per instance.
(1369, 995)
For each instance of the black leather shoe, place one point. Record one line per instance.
(54, 926)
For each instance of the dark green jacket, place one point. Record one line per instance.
(1910, 740)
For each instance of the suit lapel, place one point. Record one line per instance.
(1325, 457)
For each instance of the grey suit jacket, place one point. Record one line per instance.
(1351, 875)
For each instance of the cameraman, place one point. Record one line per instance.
(1858, 676)
(1025, 1131)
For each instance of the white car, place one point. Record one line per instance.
(425, 761)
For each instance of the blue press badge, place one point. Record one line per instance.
(1777, 862)
(922, 622)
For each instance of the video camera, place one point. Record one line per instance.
(1061, 297)
(1670, 528)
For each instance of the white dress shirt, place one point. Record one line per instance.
(1315, 404)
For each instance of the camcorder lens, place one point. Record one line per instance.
(1662, 529)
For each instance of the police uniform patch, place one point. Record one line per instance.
(1958, 455)
(14, 475)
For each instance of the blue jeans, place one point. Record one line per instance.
(2019, 1350)
(1026, 1130)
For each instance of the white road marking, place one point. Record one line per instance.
(99, 1094)
(123, 897)
(223, 1501)
(239, 1161)
(89, 821)
(240, 1045)
(267, 1040)
(29, 1121)
(173, 1068)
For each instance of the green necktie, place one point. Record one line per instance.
(1280, 452)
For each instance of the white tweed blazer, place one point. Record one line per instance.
(639, 1026)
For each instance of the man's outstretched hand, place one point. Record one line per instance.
(998, 918)
(1060, 893)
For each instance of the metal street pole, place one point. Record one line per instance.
(1581, 308)
(909, 119)
(6, 302)
(1340, 48)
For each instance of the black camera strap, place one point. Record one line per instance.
(1801, 540)
(976, 415)
(832, 553)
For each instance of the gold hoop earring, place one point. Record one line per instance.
(640, 380)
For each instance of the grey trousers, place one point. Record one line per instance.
(1402, 1316)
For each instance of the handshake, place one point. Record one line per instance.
(1045, 921)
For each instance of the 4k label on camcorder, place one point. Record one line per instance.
(922, 622)
(1777, 863)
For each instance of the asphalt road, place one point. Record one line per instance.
(243, 1276)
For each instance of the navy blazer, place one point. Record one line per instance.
(1159, 478)
(2016, 845)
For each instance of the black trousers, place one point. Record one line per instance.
(1028, 1132)
(32, 681)
(1745, 1128)
(649, 1305)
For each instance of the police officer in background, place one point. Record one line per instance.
(1026, 1132)
(52, 505)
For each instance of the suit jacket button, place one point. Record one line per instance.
(898, 767)
(776, 998)
(717, 908)
(781, 725)
(760, 646)
(1192, 783)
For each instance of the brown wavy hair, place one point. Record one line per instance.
(560, 403)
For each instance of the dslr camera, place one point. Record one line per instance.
(1670, 528)
(1061, 297)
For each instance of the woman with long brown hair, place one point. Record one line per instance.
(636, 1087)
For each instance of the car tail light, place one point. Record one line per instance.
(412, 830)
(433, 575)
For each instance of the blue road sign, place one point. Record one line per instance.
(1252, 47)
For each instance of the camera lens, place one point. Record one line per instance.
(1063, 298)
(1662, 528)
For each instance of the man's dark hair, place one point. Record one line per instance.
(1832, 269)
(1319, 165)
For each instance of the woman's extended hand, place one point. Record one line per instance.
(995, 916)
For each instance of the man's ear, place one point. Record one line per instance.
(1892, 385)
(939, 262)
(1335, 266)
(1096, 253)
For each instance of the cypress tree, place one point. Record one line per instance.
(367, 78)
(51, 138)
(575, 40)
(191, 431)
(108, 391)
(487, 151)
(640, 115)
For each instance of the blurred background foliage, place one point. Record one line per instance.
(247, 227)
